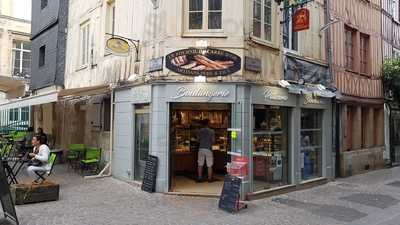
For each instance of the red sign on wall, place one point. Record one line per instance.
(301, 20)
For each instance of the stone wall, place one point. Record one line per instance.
(360, 161)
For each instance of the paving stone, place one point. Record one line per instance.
(394, 184)
(374, 200)
(336, 212)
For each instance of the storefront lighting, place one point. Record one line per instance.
(200, 79)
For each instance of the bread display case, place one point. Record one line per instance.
(185, 125)
(270, 146)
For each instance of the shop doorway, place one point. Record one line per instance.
(185, 122)
(142, 132)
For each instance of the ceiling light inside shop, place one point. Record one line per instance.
(200, 79)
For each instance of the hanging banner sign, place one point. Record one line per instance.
(205, 62)
(301, 20)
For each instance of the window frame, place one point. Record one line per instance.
(364, 50)
(273, 42)
(84, 45)
(21, 50)
(42, 57)
(205, 23)
(291, 34)
(353, 48)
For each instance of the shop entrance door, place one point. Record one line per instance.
(395, 137)
(186, 119)
(142, 128)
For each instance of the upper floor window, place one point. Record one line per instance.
(84, 43)
(42, 55)
(349, 47)
(290, 38)
(21, 58)
(262, 19)
(110, 17)
(204, 14)
(364, 53)
(43, 4)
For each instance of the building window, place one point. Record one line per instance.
(14, 115)
(43, 4)
(270, 147)
(290, 38)
(311, 144)
(364, 53)
(21, 54)
(205, 14)
(262, 19)
(110, 17)
(349, 47)
(84, 43)
(42, 55)
(25, 114)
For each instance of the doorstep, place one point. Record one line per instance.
(190, 194)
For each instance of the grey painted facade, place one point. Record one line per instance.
(242, 97)
(49, 29)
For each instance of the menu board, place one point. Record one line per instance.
(5, 197)
(229, 200)
(150, 174)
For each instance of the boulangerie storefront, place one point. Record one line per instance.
(286, 133)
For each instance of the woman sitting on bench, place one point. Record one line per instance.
(39, 157)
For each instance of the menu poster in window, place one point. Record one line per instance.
(203, 62)
(5, 197)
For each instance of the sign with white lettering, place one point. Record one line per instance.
(200, 92)
(275, 94)
(312, 99)
(205, 62)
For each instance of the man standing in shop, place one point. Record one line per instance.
(206, 139)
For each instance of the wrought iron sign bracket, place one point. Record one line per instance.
(135, 43)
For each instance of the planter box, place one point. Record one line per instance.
(34, 193)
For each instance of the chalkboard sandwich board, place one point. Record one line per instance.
(230, 196)
(5, 197)
(150, 174)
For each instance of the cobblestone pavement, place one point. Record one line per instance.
(371, 199)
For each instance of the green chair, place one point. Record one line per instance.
(41, 174)
(75, 153)
(92, 159)
(6, 150)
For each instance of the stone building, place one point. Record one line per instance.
(356, 65)
(15, 57)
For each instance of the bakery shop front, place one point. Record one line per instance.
(284, 132)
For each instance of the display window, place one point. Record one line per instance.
(270, 147)
(311, 144)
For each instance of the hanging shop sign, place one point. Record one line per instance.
(301, 20)
(118, 46)
(205, 62)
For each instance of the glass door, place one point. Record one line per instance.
(142, 137)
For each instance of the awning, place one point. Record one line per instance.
(29, 101)
(317, 90)
(14, 88)
(85, 91)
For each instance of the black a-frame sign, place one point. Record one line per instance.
(5, 197)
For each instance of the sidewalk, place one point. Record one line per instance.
(364, 199)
